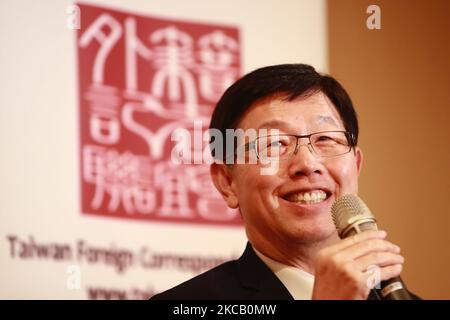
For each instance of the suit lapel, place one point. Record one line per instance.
(257, 280)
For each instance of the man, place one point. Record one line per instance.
(294, 251)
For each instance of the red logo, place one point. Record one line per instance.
(140, 78)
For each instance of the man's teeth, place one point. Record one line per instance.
(308, 197)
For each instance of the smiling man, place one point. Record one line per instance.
(294, 251)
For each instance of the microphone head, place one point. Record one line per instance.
(348, 212)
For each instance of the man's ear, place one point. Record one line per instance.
(359, 159)
(223, 181)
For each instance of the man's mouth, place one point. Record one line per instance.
(308, 197)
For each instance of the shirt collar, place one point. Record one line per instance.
(298, 282)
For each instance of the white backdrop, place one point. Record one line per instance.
(39, 167)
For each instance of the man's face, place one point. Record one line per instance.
(270, 204)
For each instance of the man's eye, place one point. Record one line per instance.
(278, 143)
(324, 138)
(328, 141)
(325, 141)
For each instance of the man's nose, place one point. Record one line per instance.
(304, 162)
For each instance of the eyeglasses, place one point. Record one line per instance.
(285, 146)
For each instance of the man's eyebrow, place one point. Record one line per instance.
(326, 119)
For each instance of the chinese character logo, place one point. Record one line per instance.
(141, 78)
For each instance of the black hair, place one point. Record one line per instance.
(290, 80)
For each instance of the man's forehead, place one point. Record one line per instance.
(286, 124)
(325, 119)
(277, 112)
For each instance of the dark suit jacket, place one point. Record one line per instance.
(247, 278)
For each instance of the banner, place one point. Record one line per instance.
(140, 78)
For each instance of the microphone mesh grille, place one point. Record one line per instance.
(346, 208)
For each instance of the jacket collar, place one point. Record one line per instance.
(260, 282)
(258, 279)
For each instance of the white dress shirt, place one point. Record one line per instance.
(299, 283)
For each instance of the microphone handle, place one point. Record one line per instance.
(392, 289)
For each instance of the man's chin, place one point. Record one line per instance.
(316, 236)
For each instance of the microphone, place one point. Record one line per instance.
(351, 215)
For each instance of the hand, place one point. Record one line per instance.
(341, 270)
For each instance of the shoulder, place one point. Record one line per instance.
(218, 283)
(247, 278)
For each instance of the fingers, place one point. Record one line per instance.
(353, 240)
(390, 272)
(354, 265)
(350, 249)
(369, 246)
(380, 259)
(373, 276)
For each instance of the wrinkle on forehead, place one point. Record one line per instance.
(326, 119)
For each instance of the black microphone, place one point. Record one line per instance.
(351, 216)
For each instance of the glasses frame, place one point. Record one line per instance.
(350, 138)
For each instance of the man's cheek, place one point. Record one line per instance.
(347, 178)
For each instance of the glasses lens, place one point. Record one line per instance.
(331, 143)
(325, 144)
(275, 146)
